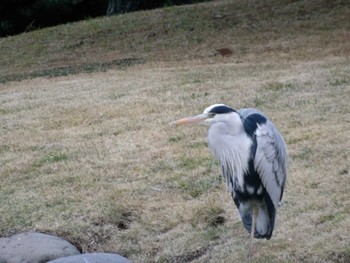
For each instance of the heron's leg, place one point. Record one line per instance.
(252, 232)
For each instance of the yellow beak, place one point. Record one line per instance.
(190, 120)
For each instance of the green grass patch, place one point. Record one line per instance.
(338, 82)
(195, 187)
(69, 70)
(325, 218)
(175, 138)
(278, 86)
(210, 215)
(305, 154)
(52, 157)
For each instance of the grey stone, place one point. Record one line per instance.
(92, 258)
(34, 248)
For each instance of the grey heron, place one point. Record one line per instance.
(253, 158)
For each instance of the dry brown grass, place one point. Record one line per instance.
(91, 157)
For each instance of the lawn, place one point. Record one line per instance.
(88, 154)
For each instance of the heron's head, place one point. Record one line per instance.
(213, 114)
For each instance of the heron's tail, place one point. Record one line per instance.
(265, 220)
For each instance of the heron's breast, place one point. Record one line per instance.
(233, 152)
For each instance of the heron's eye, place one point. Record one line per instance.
(211, 114)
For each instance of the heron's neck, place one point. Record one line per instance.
(232, 149)
(232, 124)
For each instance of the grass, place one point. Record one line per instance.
(51, 158)
(68, 70)
(89, 156)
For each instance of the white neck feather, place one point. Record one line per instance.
(231, 146)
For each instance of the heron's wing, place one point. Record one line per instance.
(271, 160)
(245, 112)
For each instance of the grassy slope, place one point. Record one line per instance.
(296, 30)
(90, 157)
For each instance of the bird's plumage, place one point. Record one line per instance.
(253, 158)
(270, 160)
(252, 154)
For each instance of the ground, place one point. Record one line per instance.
(91, 157)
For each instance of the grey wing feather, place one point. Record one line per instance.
(245, 112)
(271, 157)
(271, 160)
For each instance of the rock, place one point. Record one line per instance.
(92, 258)
(34, 248)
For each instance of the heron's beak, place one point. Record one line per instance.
(189, 120)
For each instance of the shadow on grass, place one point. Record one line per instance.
(70, 70)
